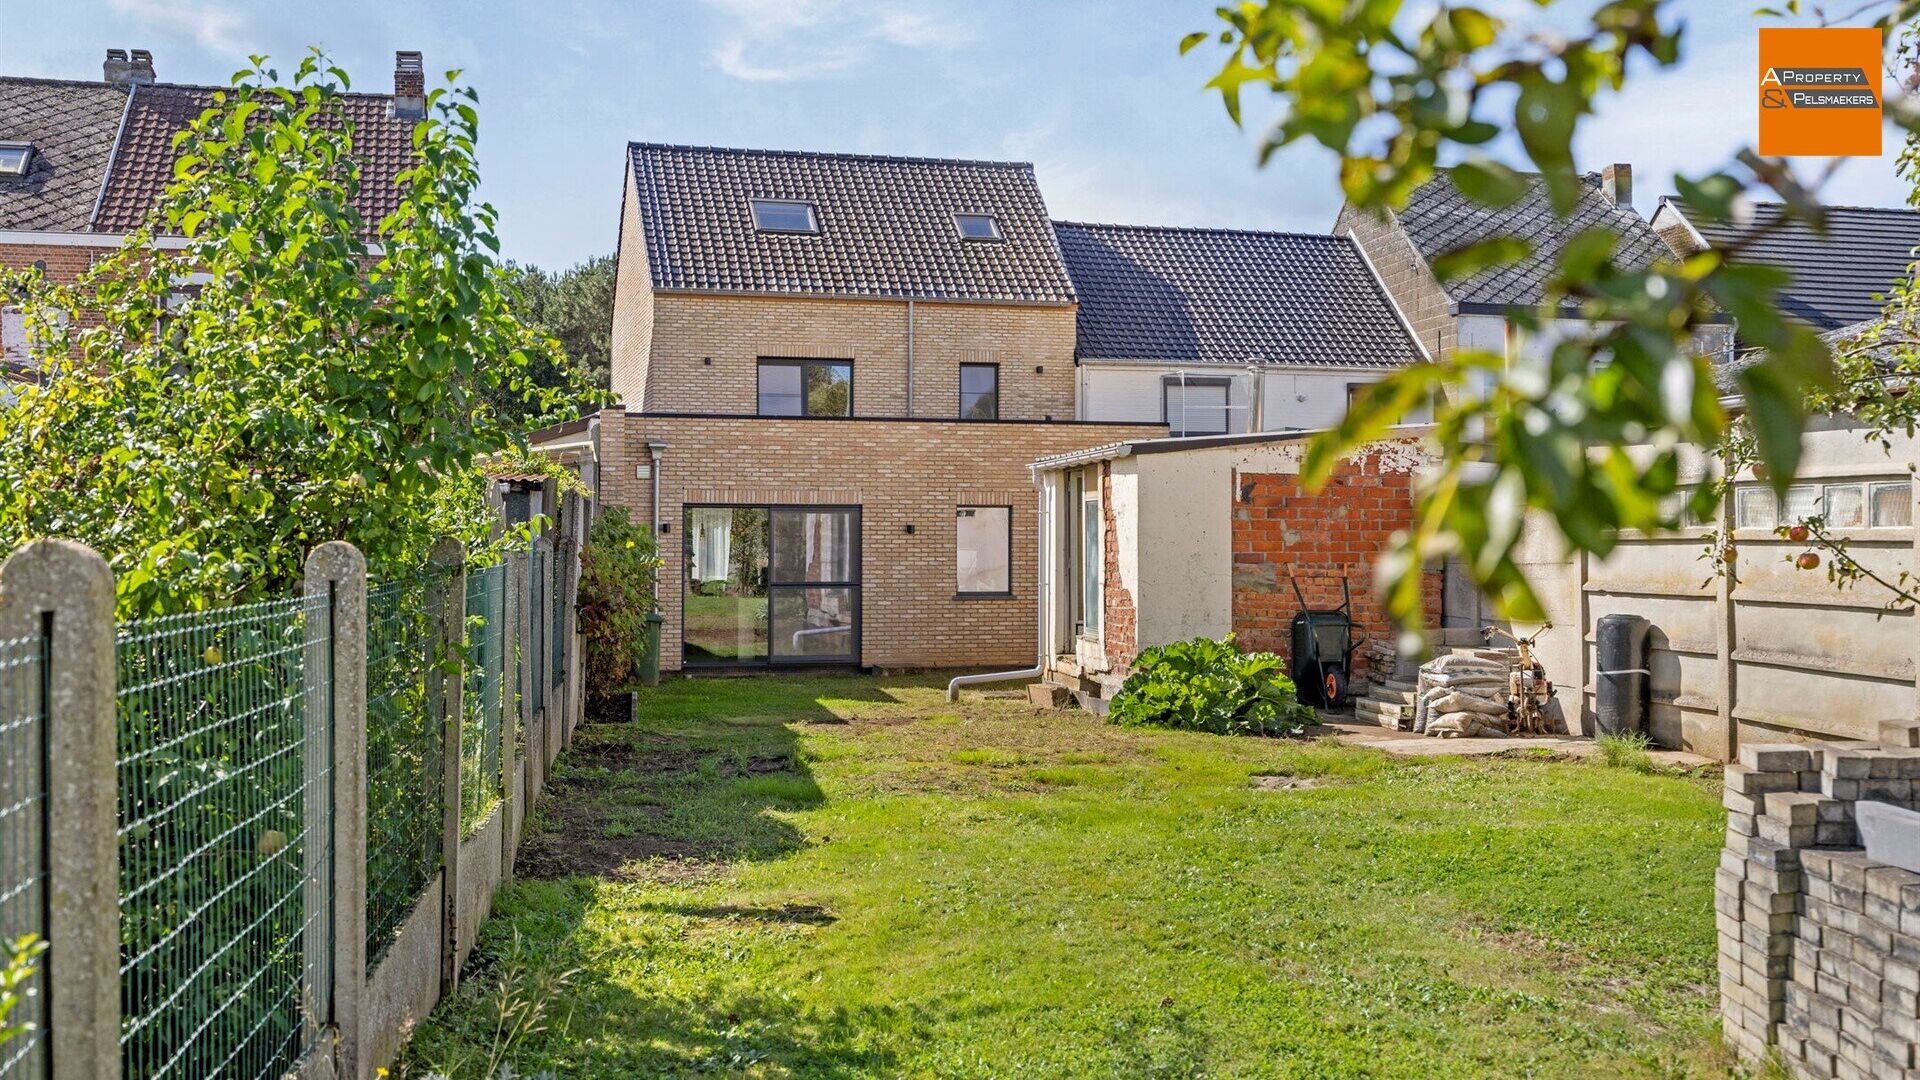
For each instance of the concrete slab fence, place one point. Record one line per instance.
(250, 839)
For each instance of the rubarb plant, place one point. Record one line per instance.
(1207, 685)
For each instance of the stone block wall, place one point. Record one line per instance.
(1819, 945)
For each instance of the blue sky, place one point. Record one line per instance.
(1093, 93)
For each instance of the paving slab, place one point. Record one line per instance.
(1406, 743)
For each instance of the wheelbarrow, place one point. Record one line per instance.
(1323, 645)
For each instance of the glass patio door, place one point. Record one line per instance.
(771, 585)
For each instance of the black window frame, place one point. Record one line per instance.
(962, 594)
(813, 215)
(995, 369)
(803, 363)
(1169, 382)
(993, 221)
(856, 585)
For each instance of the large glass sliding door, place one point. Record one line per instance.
(771, 585)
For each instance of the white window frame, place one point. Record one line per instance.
(1093, 564)
(26, 152)
(1005, 536)
(1874, 489)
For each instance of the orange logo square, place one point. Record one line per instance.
(1820, 92)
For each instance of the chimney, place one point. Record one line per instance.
(141, 63)
(1616, 183)
(117, 70)
(409, 85)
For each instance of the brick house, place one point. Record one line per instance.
(83, 162)
(833, 372)
(1153, 541)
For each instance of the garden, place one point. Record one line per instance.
(847, 876)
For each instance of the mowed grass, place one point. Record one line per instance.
(848, 877)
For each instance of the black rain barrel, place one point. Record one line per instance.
(1620, 681)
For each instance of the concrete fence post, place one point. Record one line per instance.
(64, 590)
(446, 686)
(513, 718)
(337, 578)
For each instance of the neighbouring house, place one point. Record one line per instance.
(833, 371)
(1223, 331)
(83, 162)
(1842, 271)
(1151, 541)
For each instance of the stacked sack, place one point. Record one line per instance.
(1461, 696)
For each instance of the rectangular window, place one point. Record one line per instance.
(766, 585)
(979, 391)
(13, 338)
(1844, 506)
(1893, 504)
(983, 550)
(785, 216)
(15, 157)
(806, 388)
(1092, 564)
(1753, 507)
(977, 226)
(1801, 502)
(1196, 406)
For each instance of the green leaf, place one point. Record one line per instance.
(1480, 255)
(1489, 182)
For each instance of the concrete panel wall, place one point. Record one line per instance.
(479, 877)
(404, 987)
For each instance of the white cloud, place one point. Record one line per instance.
(787, 40)
(213, 26)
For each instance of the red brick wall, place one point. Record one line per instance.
(1341, 530)
(1119, 618)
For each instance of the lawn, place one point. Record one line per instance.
(848, 877)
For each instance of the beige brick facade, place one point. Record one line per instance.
(1405, 274)
(901, 473)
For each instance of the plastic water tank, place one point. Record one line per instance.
(1620, 678)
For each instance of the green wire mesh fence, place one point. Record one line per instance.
(557, 635)
(225, 817)
(404, 750)
(537, 606)
(23, 848)
(485, 697)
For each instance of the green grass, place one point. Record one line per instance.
(1626, 750)
(847, 877)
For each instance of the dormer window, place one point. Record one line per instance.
(784, 216)
(977, 226)
(15, 157)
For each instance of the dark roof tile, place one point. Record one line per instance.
(886, 225)
(1439, 218)
(1229, 296)
(1841, 276)
(71, 126)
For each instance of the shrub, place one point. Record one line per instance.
(1207, 685)
(618, 565)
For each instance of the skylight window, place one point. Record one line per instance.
(15, 157)
(977, 226)
(784, 216)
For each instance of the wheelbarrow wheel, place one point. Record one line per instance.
(1335, 688)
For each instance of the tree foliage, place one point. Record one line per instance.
(574, 307)
(1396, 92)
(294, 374)
(618, 566)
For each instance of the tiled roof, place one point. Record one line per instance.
(886, 226)
(1227, 296)
(74, 126)
(71, 126)
(1439, 218)
(1839, 277)
(143, 167)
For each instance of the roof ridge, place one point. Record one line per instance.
(48, 80)
(1681, 200)
(829, 155)
(1214, 229)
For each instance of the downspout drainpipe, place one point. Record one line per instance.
(654, 448)
(909, 357)
(1041, 592)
